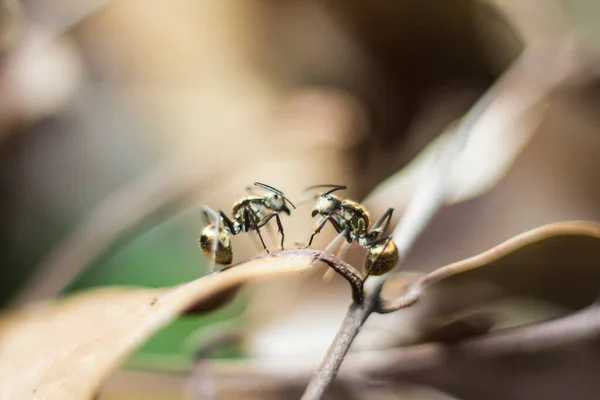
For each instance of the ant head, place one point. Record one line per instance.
(275, 201)
(224, 252)
(327, 204)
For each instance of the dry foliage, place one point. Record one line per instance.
(226, 104)
(66, 349)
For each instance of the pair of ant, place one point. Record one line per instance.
(349, 218)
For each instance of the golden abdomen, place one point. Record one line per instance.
(381, 258)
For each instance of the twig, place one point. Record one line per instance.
(578, 327)
(410, 297)
(573, 328)
(420, 210)
(426, 202)
(355, 317)
(414, 291)
(345, 270)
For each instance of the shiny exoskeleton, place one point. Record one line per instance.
(351, 219)
(249, 214)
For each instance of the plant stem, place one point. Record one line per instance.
(325, 374)
(428, 199)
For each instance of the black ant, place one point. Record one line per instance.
(351, 221)
(248, 215)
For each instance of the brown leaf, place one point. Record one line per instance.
(65, 349)
(557, 264)
(492, 147)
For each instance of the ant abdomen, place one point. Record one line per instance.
(381, 257)
(222, 250)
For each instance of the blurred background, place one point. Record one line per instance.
(119, 119)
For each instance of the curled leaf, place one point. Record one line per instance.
(556, 264)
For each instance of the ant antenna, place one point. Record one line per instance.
(335, 188)
(276, 191)
(267, 187)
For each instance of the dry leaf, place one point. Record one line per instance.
(65, 349)
(557, 266)
(498, 137)
(559, 262)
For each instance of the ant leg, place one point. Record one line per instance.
(343, 250)
(320, 226)
(248, 215)
(328, 275)
(336, 225)
(262, 240)
(266, 219)
(383, 239)
(280, 227)
(340, 235)
(376, 230)
(227, 222)
(334, 241)
(386, 217)
(249, 226)
(206, 211)
(341, 253)
(340, 229)
(342, 232)
(270, 230)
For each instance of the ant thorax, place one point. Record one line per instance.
(247, 205)
(326, 205)
(356, 216)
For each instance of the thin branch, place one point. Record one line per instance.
(355, 317)
(429, 198)
(345, 270)
(414, 291)
(423, 205)
(580, 326)
(410, 297)
(575, 328)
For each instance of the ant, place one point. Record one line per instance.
(351, 220)
(248, 215)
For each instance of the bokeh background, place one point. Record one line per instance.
(119, 119)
